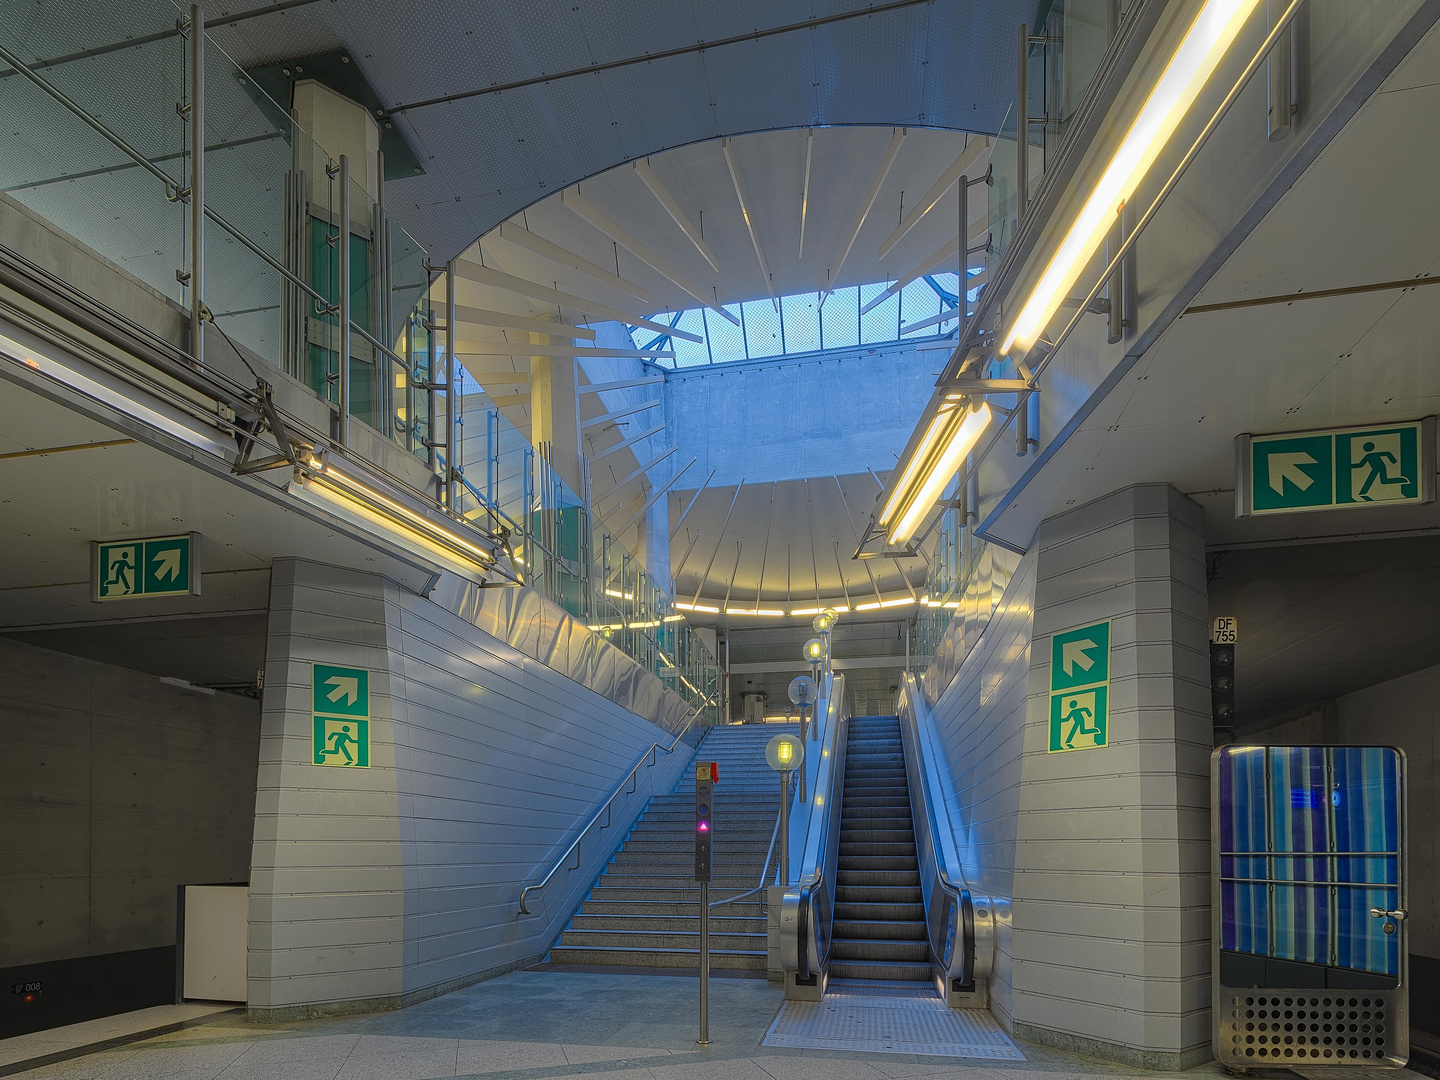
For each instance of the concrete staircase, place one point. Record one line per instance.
(644, 910)
(879, 929)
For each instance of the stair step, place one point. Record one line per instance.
(663, 939)
(649, 909)
(871, 913)
(887, 949)
(681, 924)
(869, 863)
(880, 929)
(875, 849)
(729, 959)
(889, 971)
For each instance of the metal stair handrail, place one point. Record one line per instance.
(620, 789)
(764, 870)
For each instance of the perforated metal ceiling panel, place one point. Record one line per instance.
(946, 63)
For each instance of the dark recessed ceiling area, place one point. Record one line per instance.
(1318, 621)
(221, 651)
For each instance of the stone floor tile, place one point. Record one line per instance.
(581, 1054)
(495, 1055)
(299, 1048)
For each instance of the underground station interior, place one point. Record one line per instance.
(1000, 633)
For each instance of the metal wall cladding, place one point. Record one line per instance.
(984, 589)
(544, 631)
(980, 716)
(384, 885)
(1098, 860)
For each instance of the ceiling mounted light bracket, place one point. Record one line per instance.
(873, 546)
(268, 418)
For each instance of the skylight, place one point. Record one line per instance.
(803, 325)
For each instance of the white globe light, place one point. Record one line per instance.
(814, 650)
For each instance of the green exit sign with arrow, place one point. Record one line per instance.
(1335, 469)
(154, 566)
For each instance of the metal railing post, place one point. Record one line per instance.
(785, 827)
(342, 429)
(964, 254)
(1022, 127)
(451, 397)
(492, 456)
(197, 183)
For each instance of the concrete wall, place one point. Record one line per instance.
(373, 888)
(114, 789)
(1097, 861)
(789, 418)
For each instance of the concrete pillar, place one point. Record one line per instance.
(555, 411)
(1110, 920)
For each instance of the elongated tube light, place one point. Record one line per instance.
(1195, 60)
(963, 432)
(397, 518)
(922, 452)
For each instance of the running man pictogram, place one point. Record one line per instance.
(341, 741)
(1076, 716)
(1378, 462)
(119, 575)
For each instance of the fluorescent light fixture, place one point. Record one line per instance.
(410, 528)
(698, 607)
(966, 436)
(901, 601)
(101, 386)
(754, 611)
(922, 452)
(619, 595)
(833, 605)
(1196, 59)
(673, 618)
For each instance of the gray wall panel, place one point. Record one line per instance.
(484, 762)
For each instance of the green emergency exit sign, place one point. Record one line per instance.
(154, 566)
(1334, 469)
(340, 699)
(1080, 688)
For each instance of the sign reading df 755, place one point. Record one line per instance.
(1335, 469)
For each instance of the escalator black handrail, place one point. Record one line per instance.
(810, 898)
(958, 893)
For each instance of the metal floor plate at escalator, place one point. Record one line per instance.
(889, 1019)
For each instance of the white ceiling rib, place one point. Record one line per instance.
(869, 202)
(647, 174)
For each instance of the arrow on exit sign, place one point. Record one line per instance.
(1288, 467)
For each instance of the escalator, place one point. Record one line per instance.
(878, 895)
(879, 928)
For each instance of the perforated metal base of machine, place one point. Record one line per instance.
(1314, 1029)
(879, 1019)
